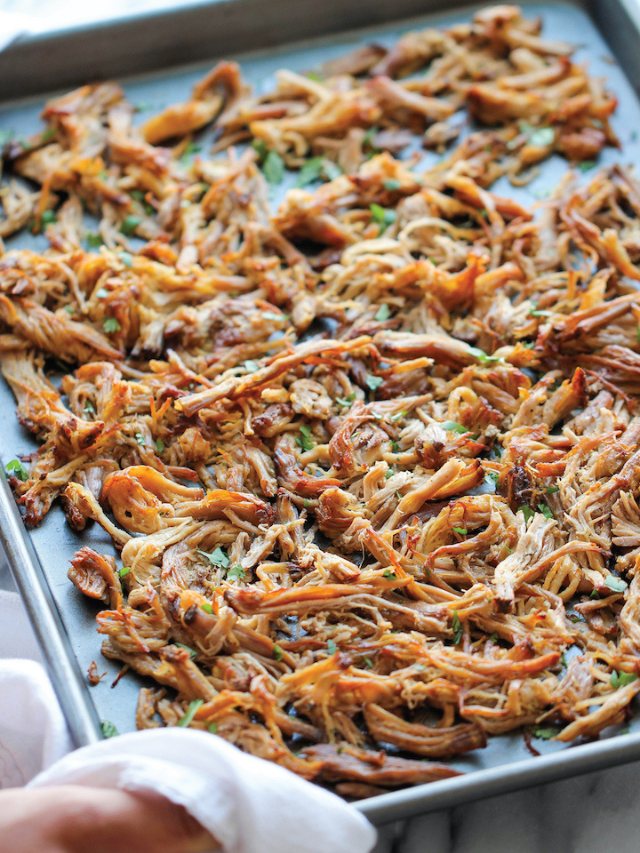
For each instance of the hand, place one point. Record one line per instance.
(75, 819)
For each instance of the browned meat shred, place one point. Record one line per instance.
(371, 460)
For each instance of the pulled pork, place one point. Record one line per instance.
(371, 459)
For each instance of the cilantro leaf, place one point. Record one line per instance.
(331, 647)
(48, 217)
(141, 439)
(130, 224)
(546, 733)
(236, 573)
(192, 653)
(304, 440)
(159, 445)
(213, 728)
(374, 382)
(551, 490)
(217, 557)
(273, 167)
(382, 313)
(17, 469)
(526, 511)
(277, 652)
(461, 531)
(251, 366)
(124, 571)
(621, 679)
(382, 216)
(94, 241)
(391, 184)
(191, 712)
(110, 324)
(108, 729)
(456, 627)
(492, 477)
(544, 509)
(389, 575)
(207, 607)
(452, 426)
(542, 136)
(615, 584)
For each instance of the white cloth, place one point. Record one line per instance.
(247, 804)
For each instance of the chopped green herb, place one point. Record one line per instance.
(527, 512)
(494, 637)
(313, 75)
(273, 167)
(191, 712)
(213, 728)
(452, 426)
(621, 679)
(388, 473)
(101, 293)
(217, 557)
(331, 169)
(546, 733)
(367, 139)
(260, 147)
(124, 571)
(251, 366)
(88, 408)
(395, 446)
(94, 241)
(373, 382)
(587, 165)
(140, 439)
(48, 216)
(69, 309)
(207, 607)
(48, 134)
(544, 509)
(236, 573)
(456, 627)
(331, 647)
(551, 490)
(130, 224)
(389, 575)
(391, 184)
(272, 315)
(615, 584)
(368, 663)
(399, 494)
(192, 653)
(108, 729)
(575, 618)
(110, 324)
(399, 415)
(343, 402)
(310, 172)
(159, 445)
(594, 594)
(538, 313)
(190, 150)
(461, 531)
(542, 136)
(304, 440)
(126, 258)
(17, 469)
(482, 356)
(382, 216)
(492, 477)
(382, 313)
(305, 503)
(277, 652)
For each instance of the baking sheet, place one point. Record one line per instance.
(65, 619)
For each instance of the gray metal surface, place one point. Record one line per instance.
(65, 621)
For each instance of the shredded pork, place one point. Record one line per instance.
(370, 460)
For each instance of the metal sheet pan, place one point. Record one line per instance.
(609, 34)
